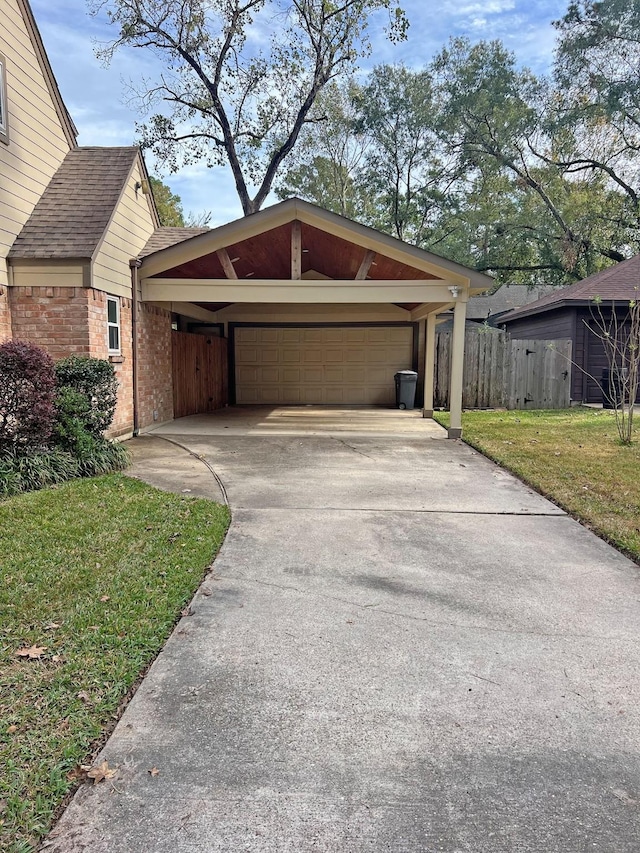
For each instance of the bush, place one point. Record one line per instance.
(27, 473)
(47, 437)
(94, 380)
(27, 394)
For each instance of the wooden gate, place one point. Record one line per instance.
(200, 376)
(538, 375)
(499, 371)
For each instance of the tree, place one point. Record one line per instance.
(407, 170)
(620, 337)
(598, 99)
(168, 204)
(327, 164)
(228, 100)
(492, 118)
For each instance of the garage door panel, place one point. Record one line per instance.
(325, 365)
(291, 376)
(313, 374)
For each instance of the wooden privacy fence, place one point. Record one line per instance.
(199, 373)
(499, 371)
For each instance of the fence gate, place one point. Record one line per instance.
(539, 375)
(199, 373)
(499, 371)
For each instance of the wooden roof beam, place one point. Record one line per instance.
(365, 266)
(227, 266)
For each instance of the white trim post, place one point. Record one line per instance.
(457, 366)
(429, 365)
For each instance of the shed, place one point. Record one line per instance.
(571, 313)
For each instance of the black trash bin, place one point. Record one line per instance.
(613, 383)
(406, 381)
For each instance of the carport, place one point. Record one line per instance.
(317, 309)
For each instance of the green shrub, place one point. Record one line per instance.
(101, 456)
(27, 392)
(27, 473)
(94, 380)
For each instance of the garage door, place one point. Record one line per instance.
(331, 365)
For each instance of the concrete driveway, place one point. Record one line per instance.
(400, 648)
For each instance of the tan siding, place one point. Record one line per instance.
(311, 313)
(45, 276)
(128, 231)
(37, 143)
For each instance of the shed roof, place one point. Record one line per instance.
(507, 297)
(618, 283)
(73, 212)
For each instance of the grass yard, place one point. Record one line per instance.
(573, 457)
(93, 575)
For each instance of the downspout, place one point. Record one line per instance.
(134, 265)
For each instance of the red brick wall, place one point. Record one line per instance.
(122, 364)
(5, 315)
(155, 379)
(54, 318)
(65, 320)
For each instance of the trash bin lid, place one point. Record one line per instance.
(406, 373)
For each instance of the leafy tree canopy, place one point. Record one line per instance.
(241, 76)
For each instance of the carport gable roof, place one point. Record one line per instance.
(333, 247)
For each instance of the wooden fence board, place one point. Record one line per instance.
(499, 371)
(199, 373)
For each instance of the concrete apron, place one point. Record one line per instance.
(400, 647)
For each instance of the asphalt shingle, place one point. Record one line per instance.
(167, 236)
(71, 216)
(620, 282)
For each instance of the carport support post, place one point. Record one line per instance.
(429, 366)
(457, 364)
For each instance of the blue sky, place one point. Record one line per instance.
(96, 97)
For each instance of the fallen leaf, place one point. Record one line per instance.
(78, 772)
(188, 611)
(206, 592)
(105, 597)
(12, 729)
(153, 772)
(33, 652)
(99, 772)
(84, 696)
(173, 537)
(51, 626)
(56, 658)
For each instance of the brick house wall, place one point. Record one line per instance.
(5, 315)
(155, 370)
(65, 320)
(54, 318)
(122, 364)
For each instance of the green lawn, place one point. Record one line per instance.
(572, 456)
(95, 571)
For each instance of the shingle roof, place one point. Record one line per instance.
(507, 298)
(73, 212)
(620, 282)
(167, 236)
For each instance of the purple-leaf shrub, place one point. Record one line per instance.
(27, 396)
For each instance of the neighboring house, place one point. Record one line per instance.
(315, 308)
(570, 313)
(489, 308)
